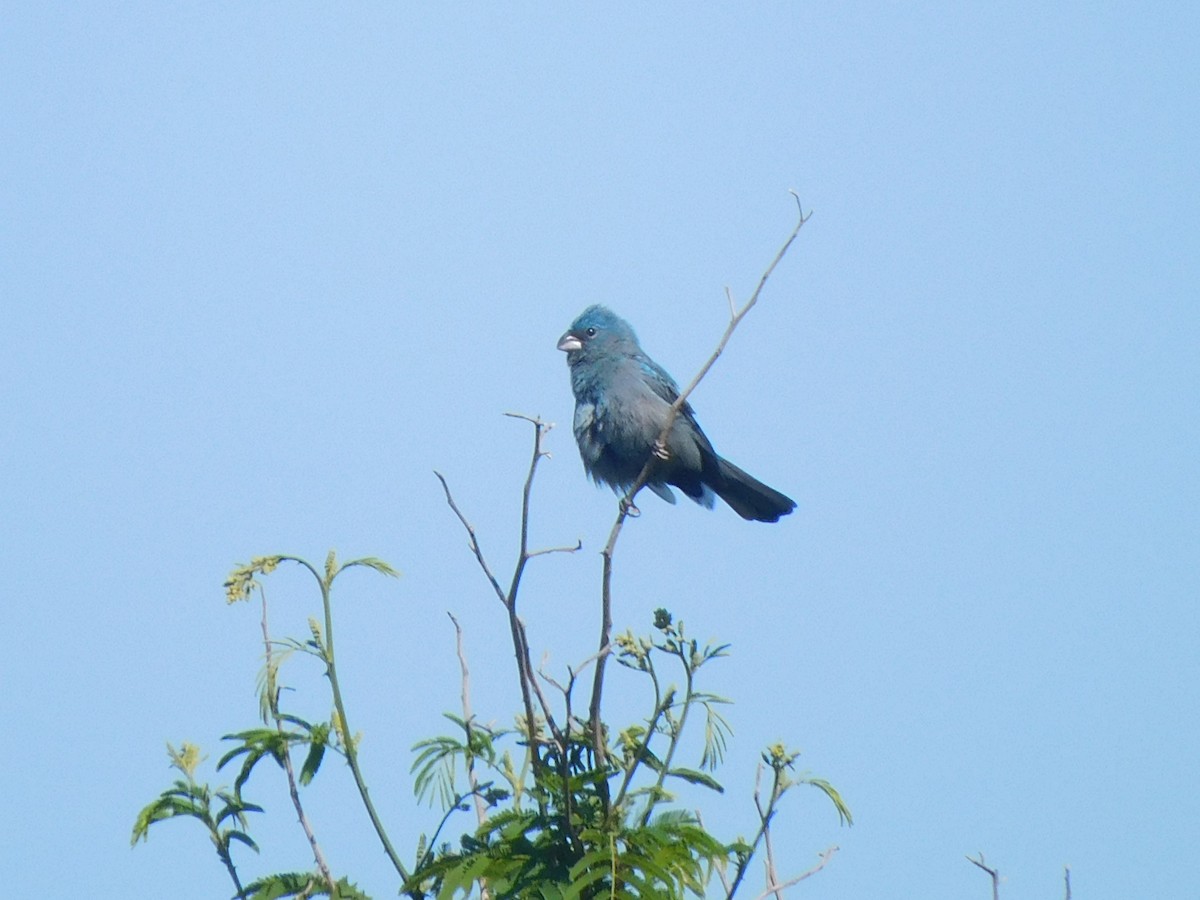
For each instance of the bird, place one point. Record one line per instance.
(622, 400)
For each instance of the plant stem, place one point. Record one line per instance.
(326, 583)
(676, 733)
(273, 705)
(223, 852)
(735, 318)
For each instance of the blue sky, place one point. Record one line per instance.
(266, 267)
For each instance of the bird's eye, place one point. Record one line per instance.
(591, 332)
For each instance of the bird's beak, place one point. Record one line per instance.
(569, 342)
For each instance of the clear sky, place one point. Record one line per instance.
(264, 267)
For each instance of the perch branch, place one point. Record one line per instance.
(626, 505)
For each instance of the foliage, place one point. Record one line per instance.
(554, 822)
(189, 799)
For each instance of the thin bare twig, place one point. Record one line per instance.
(272, 691)
(578, 546)
(769, 866)
(520, 648)
(765, 815)
(474, 541)
(626, 505)
(468, 719)
(528, 683)
(778, 889)
(468, 724)
(718, 865)
(537, 690)
(1067, 881)
(539, 431)
(994, 873)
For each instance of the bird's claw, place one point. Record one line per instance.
(629, 509)
(660, 450)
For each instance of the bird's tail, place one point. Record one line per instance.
(749, 497)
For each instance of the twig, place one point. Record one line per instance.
(769, 868)
(718, 865)
(676, 727)
(641, 753)
(778, 888)
(736, 316)
(528, 682)
(431, 846)
(1067, 881)
(578, 546)
(468, 720)
(474, 541)
(539, 430)
(764, 818)
(537, 690)
(509, 598)
(519, 647)
(994, 873)
(227, 861)
(272, 690)
(734, 321)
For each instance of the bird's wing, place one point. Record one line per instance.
(658, 380)
(664, 386)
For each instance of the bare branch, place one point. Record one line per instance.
(769, 866)
(545, 705)
(765, 815)
(468, 720)
(735, 320)
(994, 873)
(720, 864)
(516, 627)
(529, 684)
(539, 430)
(578, 546)
(533, 420)
(627, 507)
(474, 541)
(778, 889)
(272, 690)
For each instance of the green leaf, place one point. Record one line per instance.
(372, 562)
(592, 868)
(716, 732)
(166, 806)
(348, 891)
(241, 837)
(235, 808)
(700, 778)
(312, 762)
(296, 720)
(294, 884)
(256, 744)
(839, 804)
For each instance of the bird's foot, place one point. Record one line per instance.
(629, 509)
(660, 450)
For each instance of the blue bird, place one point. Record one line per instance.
(622, 398)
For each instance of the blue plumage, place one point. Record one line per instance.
(622, 398)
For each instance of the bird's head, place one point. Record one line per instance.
(597, 331)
